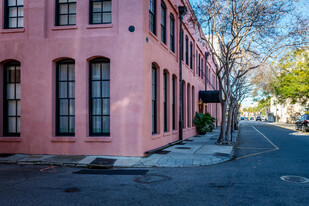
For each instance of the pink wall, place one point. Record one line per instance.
(40, 44)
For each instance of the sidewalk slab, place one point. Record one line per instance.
(200, 150)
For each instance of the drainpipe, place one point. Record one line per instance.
(182, 12)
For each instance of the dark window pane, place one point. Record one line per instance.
(96, 86)
(12, 107)
(64, 125)
(12, 125)
(72, 125)
(106, 124)
(10, 91)
(64, 107)
(96, 124)
(106, 107)
(96, 107)
(63, 72)
(105, 89)
(63, 90)
(71, 90)
(72, 107)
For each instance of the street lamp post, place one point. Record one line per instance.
(182, 12)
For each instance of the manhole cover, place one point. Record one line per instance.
(151, 178)
(183, 147)
(295, 179)
(71, 189)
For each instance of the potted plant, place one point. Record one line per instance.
(204, 123)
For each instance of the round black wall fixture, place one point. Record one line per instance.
(131, 28)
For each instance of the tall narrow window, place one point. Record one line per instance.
(181, 44)
(152, 16)
(202, 69)
(188, 105)
(100, 11)
(174, 103)
(65, 103)
(163, 23)
(193, 105)
(165, 99)
(172, 33)
(187, 50)
(191, 66)
(199, 65)
(100, 97)
(183, 103)
(14, 14)
(65, 12)
(12, 99)
(154, 99)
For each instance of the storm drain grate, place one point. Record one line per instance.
(295, 179)
(183, 147)
(162, 152)
(219, 154)
(111, 172)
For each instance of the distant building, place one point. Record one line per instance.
(287, 113)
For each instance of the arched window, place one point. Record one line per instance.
(154, 99)
(188, 105)
(163, 22)
(99, 97)
(165, 96)
(152, 16)
(65, 102)
(174, 102)
(11, 99)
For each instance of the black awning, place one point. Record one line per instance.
(209, 96)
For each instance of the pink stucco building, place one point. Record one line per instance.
(98, 77)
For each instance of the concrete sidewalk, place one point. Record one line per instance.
(200, 150)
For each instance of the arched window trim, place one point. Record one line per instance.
(103, 100)
(69, 81)
(16, 99)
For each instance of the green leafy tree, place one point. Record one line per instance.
(292, 81)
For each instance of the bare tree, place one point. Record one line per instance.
(243, 35)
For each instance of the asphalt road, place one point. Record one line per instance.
(264, 153)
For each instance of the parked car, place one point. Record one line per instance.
(251, 118)
(302, 123)
(242, 118)
(246, 118)
(258, 118)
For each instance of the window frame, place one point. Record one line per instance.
(57, 12)
(154, 105)
(187, 50)
(172, 33)
(58, 133)
(102, 12)
(91, 133)
(153, 17)
(165, 96)
(7, 15)
(191, 55)
(174, 84)
(163, 23)
(5, 100)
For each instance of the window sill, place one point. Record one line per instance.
(99, 26)
(98, 139)
(63, 139)
(155, 136)
(164, 45)
(166, 134)
(10, 139)
(173, 53)
(153, 35)
(8, 31)
(58, 28)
